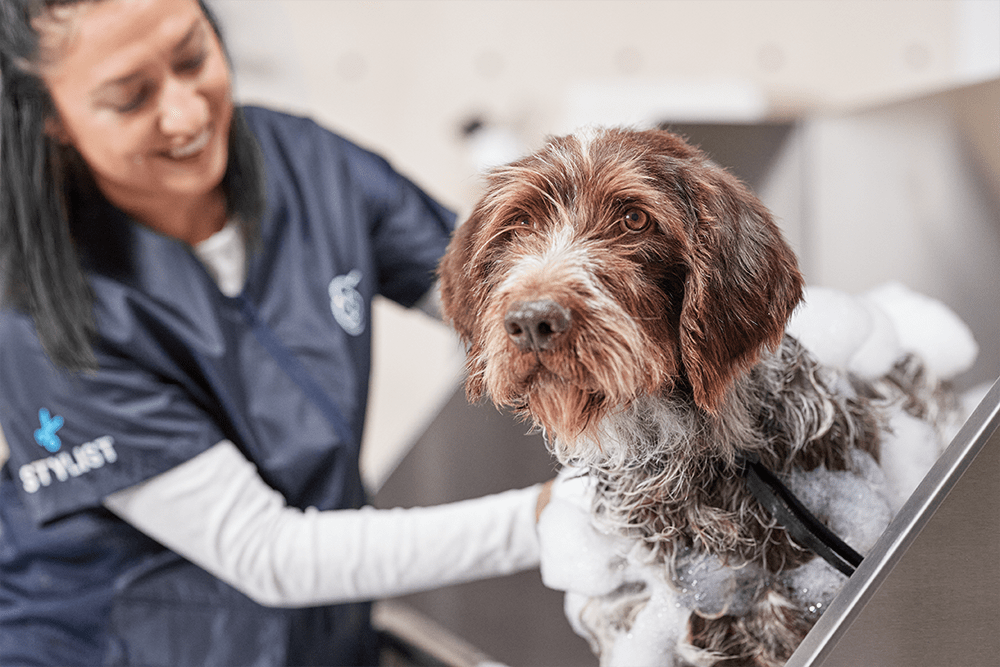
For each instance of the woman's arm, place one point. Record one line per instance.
(216, 511)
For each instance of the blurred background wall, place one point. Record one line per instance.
(405, 76)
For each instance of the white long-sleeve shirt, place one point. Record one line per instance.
(216, 511)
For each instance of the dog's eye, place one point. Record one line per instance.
(635, 220)
(520, 224)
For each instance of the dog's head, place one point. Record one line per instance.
(613, 265)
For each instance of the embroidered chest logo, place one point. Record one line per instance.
(46, 435)
(63, 465)
(347, 304)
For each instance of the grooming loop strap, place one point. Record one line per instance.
(800, 523)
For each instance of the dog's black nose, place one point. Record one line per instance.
(534, 325)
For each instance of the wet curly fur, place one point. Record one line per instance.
(629, 297)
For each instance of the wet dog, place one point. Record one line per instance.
(630, 298)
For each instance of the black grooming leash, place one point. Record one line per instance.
(804, 528)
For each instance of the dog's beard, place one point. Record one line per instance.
(566, 412)
(570, 390)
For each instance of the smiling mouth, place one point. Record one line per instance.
(191, 148)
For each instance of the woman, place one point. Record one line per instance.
(185, 359)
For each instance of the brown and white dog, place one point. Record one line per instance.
(630, 298)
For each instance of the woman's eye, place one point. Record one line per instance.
(635, 220)
(192, 64)
(133, 102)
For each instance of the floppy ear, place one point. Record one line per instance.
(462, 280)
(741, 287)
(455, 282)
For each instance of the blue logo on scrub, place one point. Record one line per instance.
(46, 435)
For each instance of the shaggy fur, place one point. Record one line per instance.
(630, 298)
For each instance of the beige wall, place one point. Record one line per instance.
(402, 76)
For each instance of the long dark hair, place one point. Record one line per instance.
(40, 271)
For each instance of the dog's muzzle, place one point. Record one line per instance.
(536, 325)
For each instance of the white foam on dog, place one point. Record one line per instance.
(928, 328)
(909, 449)
(833, 326)
(867, 334)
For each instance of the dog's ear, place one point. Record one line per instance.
(459, 296)
(742, 282)
(454, 280)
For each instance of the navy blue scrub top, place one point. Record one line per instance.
(280, 370)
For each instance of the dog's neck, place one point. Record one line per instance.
(666, 471)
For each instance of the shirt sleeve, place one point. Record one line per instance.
(335, 182)
(410, 234)
(76, 437)
(216, 511)
(408, 229)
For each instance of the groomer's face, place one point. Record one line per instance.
(142, 90)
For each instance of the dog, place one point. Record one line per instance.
(630, 298)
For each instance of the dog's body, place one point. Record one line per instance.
(631, 298)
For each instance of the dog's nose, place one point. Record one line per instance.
(534, 325)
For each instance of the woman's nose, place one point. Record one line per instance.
(183, 111)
